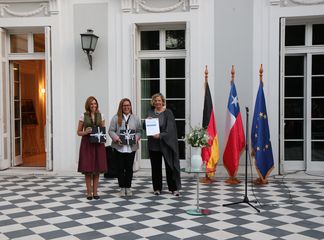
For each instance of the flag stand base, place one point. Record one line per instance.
(245, 198)
(260, 181)
(206, 180)
(232, 181)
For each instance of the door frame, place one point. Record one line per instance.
(46, 56)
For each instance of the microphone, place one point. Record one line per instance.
(247, 109)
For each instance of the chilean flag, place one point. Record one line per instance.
(234, 134)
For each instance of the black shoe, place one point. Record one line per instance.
(96, 197)
(89, 197)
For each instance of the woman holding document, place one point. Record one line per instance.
(163, 141)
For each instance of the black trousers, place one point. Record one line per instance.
(156, 167)
(125, 168)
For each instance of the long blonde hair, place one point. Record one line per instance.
(120, 110)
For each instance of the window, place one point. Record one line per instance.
(163, 69)
(303, 93)
(27, 43)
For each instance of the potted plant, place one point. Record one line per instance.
(197, 138)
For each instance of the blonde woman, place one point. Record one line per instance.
(164, 144)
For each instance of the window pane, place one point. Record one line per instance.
(294, 129)
(318, 151)
(144, 149)
(150, 68)
(39, 42)
(181, 128)
(150, 40)
(17, 109)
(295, 35)
(318, 64)
(177, 107)
(18, 43)
(294, 65)
(17, 128)
(149, 87)
(182, 150)
(16, 91)
(17, 147)
(175, 68)
(294, 86)
(317, 108)
(175, 88)
(318, 129)
(294, 108)
(317, 86)
(175, 39)
(318, 34)
(145, 106)
(294, 151)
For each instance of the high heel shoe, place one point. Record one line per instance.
(89, 197)
(96, 197)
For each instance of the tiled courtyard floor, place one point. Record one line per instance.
(53, 207)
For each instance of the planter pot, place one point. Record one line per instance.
(196, 160)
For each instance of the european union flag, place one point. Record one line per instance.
(260, 136)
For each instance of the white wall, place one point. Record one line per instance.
(233, 46)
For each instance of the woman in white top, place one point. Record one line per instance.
(125, 132)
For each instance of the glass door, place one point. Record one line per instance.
(302, 96)
(4, 103)
(162, 69)
(16, 106)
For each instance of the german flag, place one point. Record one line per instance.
(210, 155)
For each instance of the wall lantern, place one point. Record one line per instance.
(89, 43)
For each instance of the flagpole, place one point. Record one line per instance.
(260, 180)
(206, 179)
(232, 179)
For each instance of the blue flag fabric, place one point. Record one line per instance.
(260, 136)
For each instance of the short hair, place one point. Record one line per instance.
(158, 95)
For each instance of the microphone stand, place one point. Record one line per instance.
(245, 198)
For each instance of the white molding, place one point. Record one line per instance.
(275, 2)
(126, 5)
(142, 4)
(194, 4)
(5, 8)
(53, 7)
(307, 2)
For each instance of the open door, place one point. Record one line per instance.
(4, 103)
(48, 74)
(15, 85)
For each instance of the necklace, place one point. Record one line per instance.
(158, 112)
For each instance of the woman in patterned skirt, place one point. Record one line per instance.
(92, 158)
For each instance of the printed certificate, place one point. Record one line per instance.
(152, 126)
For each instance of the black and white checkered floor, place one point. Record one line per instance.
(51, 207)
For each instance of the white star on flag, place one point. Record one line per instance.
(234, 100)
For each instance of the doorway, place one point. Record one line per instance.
(27, 80)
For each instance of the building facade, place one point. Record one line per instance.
(153, 46)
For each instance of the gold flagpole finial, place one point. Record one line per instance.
(261, 72)
(206, 74)
(232, 74)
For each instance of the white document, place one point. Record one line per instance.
(152, 126)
